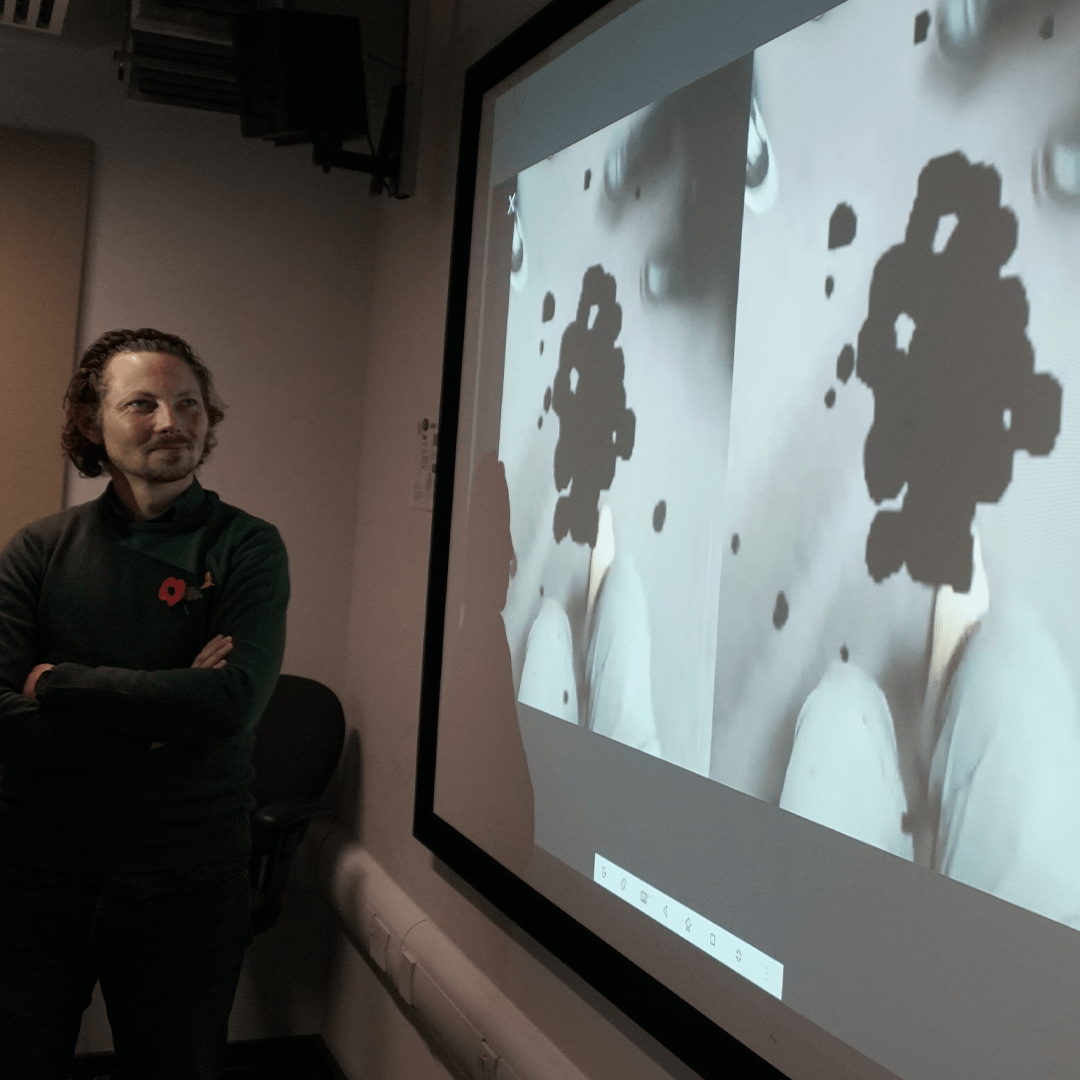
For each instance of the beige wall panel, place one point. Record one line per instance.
(44, 189)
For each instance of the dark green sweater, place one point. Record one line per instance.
(122, 608)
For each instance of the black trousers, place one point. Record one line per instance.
(167, 947)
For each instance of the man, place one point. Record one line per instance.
(141, 636)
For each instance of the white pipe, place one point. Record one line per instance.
(478, 1026)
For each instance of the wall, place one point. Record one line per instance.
(44, 191)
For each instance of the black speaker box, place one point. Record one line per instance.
(299, 74)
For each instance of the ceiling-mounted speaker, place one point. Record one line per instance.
(300, 74)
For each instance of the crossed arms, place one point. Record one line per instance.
(87, 718)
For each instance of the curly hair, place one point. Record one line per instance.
(88, 386)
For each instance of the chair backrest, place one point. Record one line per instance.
(298, 741)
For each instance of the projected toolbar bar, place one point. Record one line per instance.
(753, 964)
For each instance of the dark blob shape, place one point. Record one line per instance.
(830, 398)
(541, 590)
(565, 697)
(922, 26)
(845, 363)
(595, 426)
(1046, 31)
(841, 226)
(780, 612)
(828, 286)
(588, 178)
(659, 515)
(844, 653)
(541, 348)
(950, 413)
(735, 543)
(539, 421)
(547, 399)
(637, 192)
(549, 307)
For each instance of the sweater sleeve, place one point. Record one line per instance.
(187, 706)
(31, 734)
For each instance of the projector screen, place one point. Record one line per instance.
(753, 634)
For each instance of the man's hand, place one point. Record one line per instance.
(32, 678)
(212, 656)
(214, 652)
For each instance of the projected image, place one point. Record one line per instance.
(898, 644)
(614, 424)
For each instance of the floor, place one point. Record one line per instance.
(295, 1058)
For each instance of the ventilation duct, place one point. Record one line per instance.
(44, 15)
(179, 55)
(181, 52)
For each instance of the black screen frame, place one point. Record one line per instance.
(692, 1037)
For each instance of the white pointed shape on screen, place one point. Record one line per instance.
(905, 328)
(1006, 767)
(548, 682)
(602, 555)
(844, 769)
(955, 616)
(946, 224)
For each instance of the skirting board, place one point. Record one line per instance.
(480, 1029)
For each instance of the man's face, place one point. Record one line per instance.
(153, 418)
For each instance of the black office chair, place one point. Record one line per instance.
(298, 744)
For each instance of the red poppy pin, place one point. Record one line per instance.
(173, 590)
